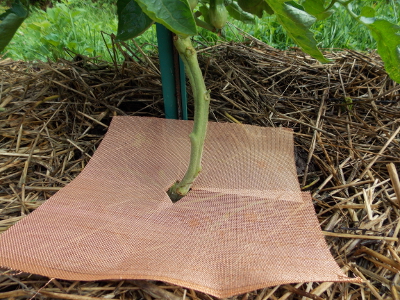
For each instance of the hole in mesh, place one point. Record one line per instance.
(175, 197)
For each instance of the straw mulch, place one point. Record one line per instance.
(346, 119)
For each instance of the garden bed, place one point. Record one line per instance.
(345, 116)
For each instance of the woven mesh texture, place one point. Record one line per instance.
(245, 224)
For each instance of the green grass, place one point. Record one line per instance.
(77, 25)
(72, 24)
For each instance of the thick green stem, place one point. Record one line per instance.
(201, 104)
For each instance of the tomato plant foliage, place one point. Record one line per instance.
(10, 20)
(183, 16)
(130, 10)
(296, 17)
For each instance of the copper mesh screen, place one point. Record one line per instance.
(245, 224)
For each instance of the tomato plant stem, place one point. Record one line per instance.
(201, 103)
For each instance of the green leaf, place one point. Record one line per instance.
(40, 27)
(204, 13)
(16, 8)
(3, 9)
(51, 39)
(255, 7)
(239, 14)
(10, 22)
(173, 14)
(34, 26)
(368, 12)
(297, 23)
(316, 8)
(132, 21)
(387, 36)
(72, 45)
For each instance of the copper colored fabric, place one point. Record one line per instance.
(245, 225)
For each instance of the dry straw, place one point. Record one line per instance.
(346, 119)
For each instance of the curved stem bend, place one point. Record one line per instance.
(201, 103)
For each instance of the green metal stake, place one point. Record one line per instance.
(172, 76)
